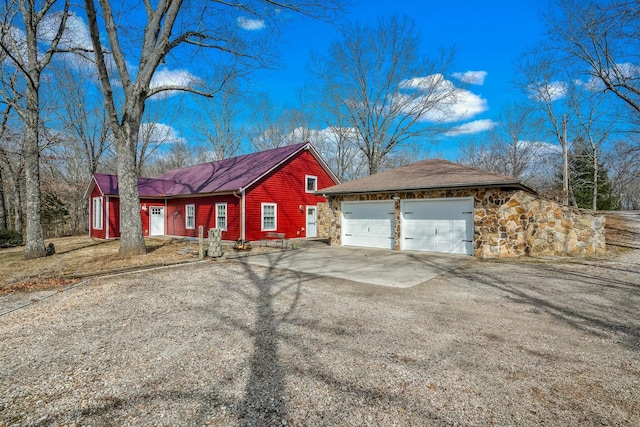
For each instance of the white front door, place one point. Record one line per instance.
(437, 225)
(156, 219)
(369, 224)
(312, 218)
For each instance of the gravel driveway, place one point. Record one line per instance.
(221, 343)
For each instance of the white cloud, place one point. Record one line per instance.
(548, 92)
(475, 126)
(75, 35)
(158, 133)
(464, 106)
(250, 24)
(456, 104)
(428, 84)
(166, 77)
(471, 77)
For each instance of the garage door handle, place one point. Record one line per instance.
(467, 213)
(347, 234)
(408, 238)
(348, 213)
(408, 213)
(469, 241)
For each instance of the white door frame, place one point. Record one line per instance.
(315, 221)
(151, 220)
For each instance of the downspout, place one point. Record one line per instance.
(241, 203)
(106, 217)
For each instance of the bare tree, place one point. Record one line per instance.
(513, 147)
(376, 80)
(625, 159)
(601, 39)
(26, 25)
(218, 121)
(544, 81)
(171, 28)
(274, 126)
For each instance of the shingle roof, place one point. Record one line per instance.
(426, 175)
(227, 175)
(230, 174)
(147, 187)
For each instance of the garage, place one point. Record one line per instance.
(443, 207)
(437, 225)
(369, 224)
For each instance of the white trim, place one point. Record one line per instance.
(226, 222)
(243, 216)
(93, 213)
(186, 216)
(306, 183)
(106, 220)
(306, 221)
(275, 216)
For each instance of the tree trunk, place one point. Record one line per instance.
(34, 247)
(131, 237)
(3, 207)
(594, 201)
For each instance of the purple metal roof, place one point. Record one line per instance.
(222, 176)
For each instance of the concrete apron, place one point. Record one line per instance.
(400, 269)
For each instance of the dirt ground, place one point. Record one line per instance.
(537, 342)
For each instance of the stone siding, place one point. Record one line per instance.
(322, 220)
(507, 223)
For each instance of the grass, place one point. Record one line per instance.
(81, 256)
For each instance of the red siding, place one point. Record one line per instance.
(114, 217)
(205, 208)
(98, 234)
(285, 187)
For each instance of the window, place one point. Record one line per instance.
(221, 216)
(311, 183)
(190, 217)
(268, 217)
(97, 213)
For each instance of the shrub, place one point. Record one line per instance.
(10, 238)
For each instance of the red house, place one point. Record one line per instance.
(246, 196)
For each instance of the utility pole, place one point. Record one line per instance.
(565, 163)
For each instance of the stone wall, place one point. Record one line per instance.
(322, 221)
(507, 223)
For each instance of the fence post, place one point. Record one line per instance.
(201, 241)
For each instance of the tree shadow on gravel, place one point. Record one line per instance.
(265, 399)
(544, 290)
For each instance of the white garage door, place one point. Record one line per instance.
(369, 224)
(437, 225)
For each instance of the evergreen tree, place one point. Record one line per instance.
(581, 171)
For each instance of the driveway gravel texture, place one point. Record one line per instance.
(538, 342)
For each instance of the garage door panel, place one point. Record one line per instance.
(439, 225)
(369, 224)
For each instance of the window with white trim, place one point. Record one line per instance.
(269, 213)
(97, 213)
(311, 183)
(190, 216)
(221, 216)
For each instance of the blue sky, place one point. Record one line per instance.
(488, 36)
